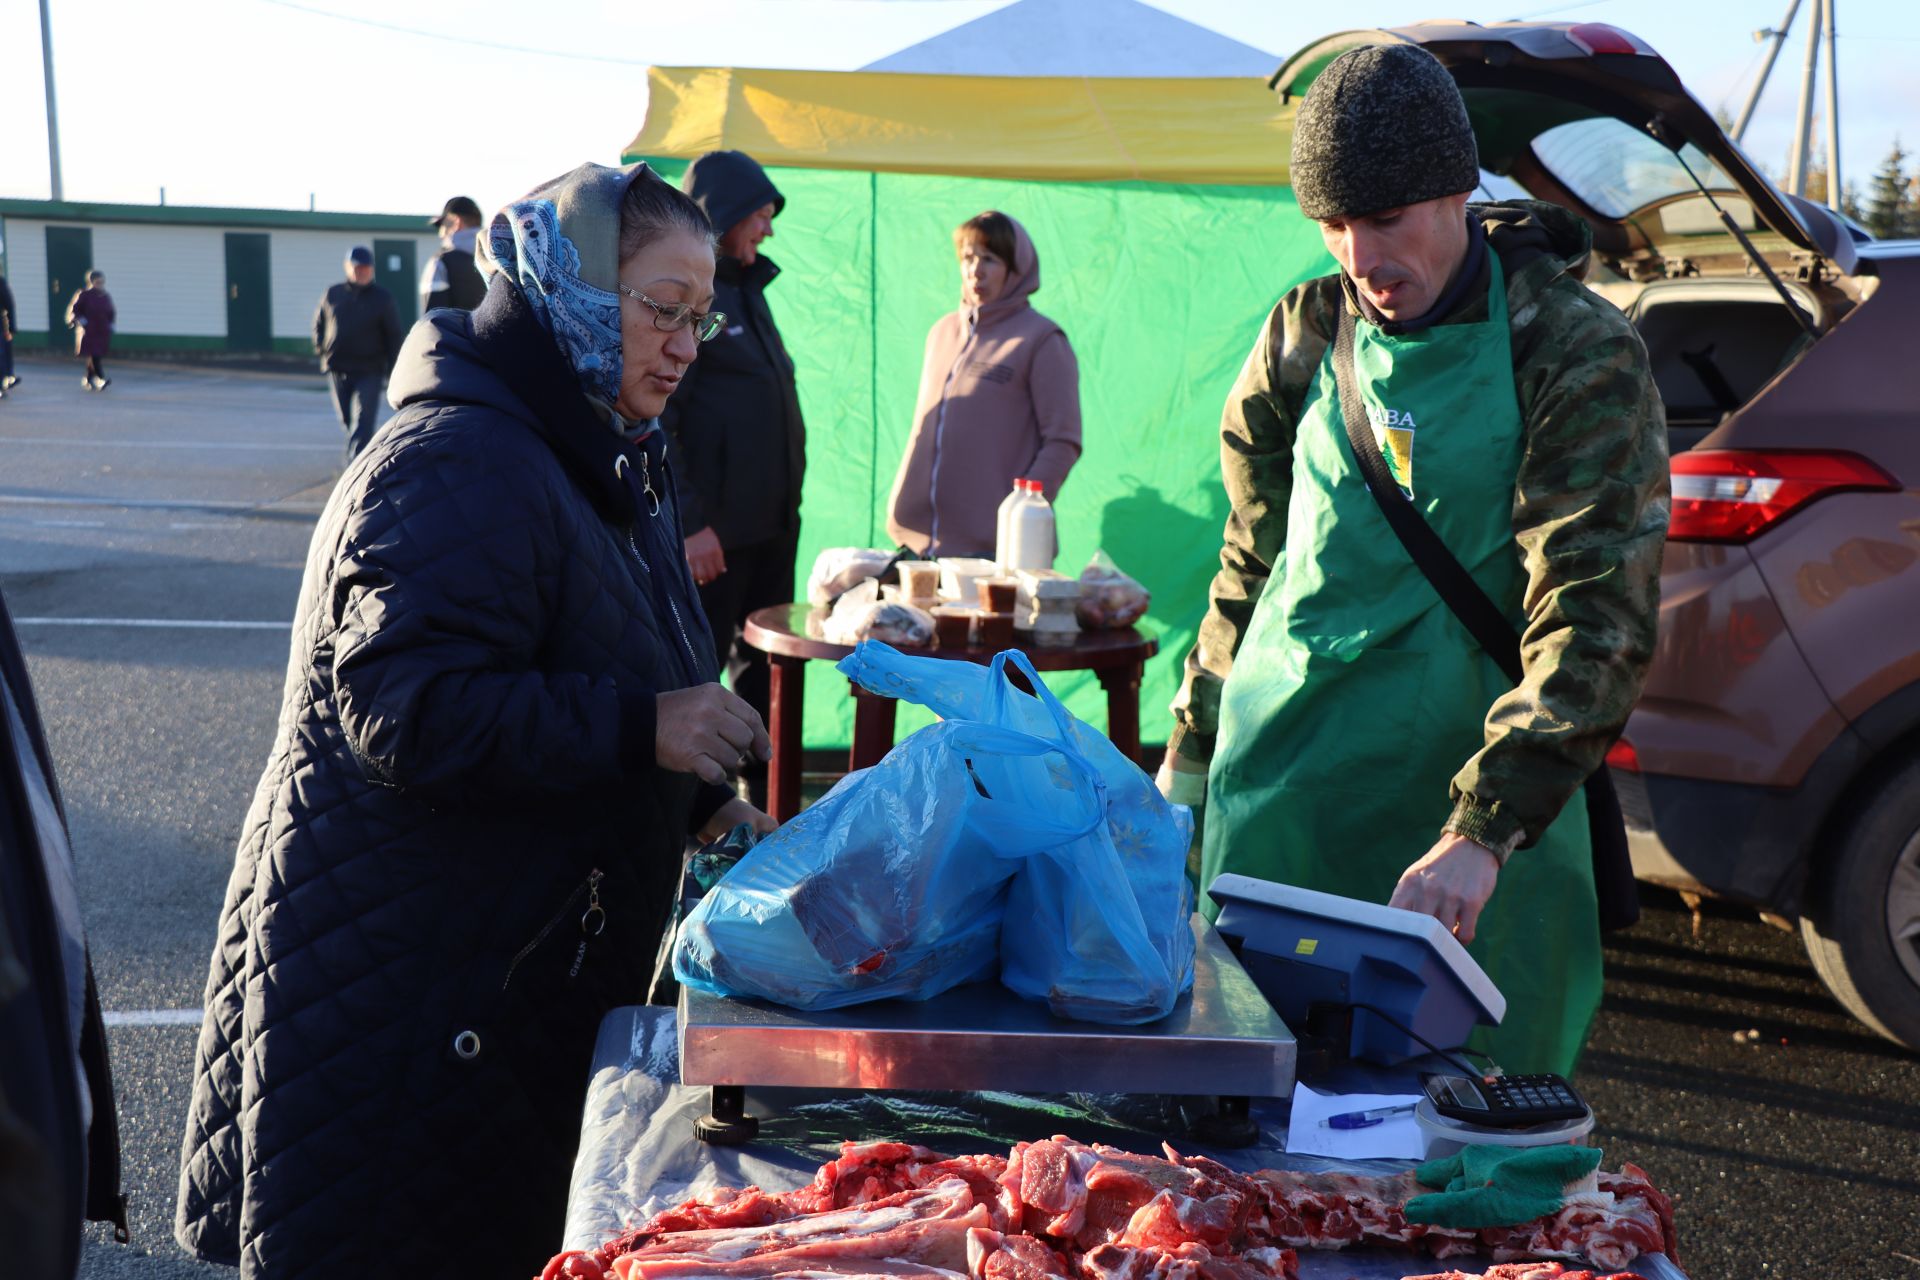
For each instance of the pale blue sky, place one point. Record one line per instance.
(260, 102)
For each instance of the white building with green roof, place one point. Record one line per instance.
(189, 279)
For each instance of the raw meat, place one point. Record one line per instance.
(1063, 1210)
(926, 1226)
(992, 1255)
(1625, 1218)
(1089, 1196)
(723, 1208)
(780, 1266)
(1186, 1262)
(1527, 1271)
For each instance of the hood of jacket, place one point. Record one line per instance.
(498, 356)
(560, 246)
(729, 185)
(1522, 231)
(1023, 281)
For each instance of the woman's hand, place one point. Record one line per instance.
(705, 556)
(732, 814)
(708, 732)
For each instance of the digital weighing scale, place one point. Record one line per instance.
(1222, 1039)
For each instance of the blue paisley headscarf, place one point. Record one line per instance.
(529, 241)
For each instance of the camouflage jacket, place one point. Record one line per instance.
(1589, 520)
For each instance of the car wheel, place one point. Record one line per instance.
(1862, 928)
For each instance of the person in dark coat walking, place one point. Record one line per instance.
(7, 380)
(500, 727)
(451, 278)
(90, 315)
(737, 431)
(357, 335)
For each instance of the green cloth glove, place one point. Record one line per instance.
(1487, 1186)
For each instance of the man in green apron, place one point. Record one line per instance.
(1340, 726)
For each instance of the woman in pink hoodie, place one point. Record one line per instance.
(999, 400)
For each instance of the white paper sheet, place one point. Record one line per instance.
(1395, 1138)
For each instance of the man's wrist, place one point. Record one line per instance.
(1487, 823)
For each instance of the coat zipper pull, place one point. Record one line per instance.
(592, 921)
(646, 486)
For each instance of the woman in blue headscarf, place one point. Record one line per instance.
(500, 726)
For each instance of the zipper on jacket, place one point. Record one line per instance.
(620, 468)
(592, 921)
(939, 432)
(672, 607)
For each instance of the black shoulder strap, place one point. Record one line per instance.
(1456, 587)
(1616, 895)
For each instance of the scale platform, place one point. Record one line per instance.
(1221, 1039)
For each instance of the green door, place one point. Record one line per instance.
(249, 292)
(69, 258)
(393, 270)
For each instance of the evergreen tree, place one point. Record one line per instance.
(1889, 210)
(1850, 203)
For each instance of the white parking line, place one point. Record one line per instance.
(211, 624)
(153, 1017)
(257, 446)
(68, 524)
(161, 504)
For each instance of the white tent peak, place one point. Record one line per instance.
(1080, 38)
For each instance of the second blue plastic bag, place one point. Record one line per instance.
(1073, 935)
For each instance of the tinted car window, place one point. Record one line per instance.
(1617, 169)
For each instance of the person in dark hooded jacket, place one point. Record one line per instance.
(738, 437)
(500, 727)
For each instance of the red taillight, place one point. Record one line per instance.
(1621, 755)
(1730, 495)
(1598, 37)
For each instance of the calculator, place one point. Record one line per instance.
(1505, 1102)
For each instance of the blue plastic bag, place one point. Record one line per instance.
(1069, 938)
(893, 884)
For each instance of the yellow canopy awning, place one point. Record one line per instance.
(1214, 131)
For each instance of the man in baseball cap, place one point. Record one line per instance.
(452, 279)
(1338, 722)
(357, 335)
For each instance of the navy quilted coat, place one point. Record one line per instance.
(409, 969)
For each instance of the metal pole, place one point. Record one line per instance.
(1803, 121)
(1753, 99)
(53, 112)
(1833, 110)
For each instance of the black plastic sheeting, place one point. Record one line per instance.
(638, 1154)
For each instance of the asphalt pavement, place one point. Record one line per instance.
(151, 544)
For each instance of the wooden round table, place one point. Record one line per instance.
(1117, 658)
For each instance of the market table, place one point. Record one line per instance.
(1118, 658)
(638, 1153)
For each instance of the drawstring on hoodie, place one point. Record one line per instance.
(940, 428)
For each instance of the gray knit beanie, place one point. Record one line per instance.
(1382, 126)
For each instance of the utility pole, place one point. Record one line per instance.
(1833, 109)
(53, 112)
(1779, 37)
(1803, 121)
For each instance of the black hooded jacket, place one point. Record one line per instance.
(738, 438)
(357, 329)
(408, 976)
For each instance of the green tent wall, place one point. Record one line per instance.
(1162, 290)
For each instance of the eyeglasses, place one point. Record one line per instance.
(673, 317)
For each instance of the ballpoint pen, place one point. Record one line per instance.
(1364, 1119)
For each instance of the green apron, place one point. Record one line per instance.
(1356, 695)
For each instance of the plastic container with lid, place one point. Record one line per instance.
(1446, 1136)
(1003, 523)
(1030, 530)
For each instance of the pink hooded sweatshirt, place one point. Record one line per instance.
(999, 399)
